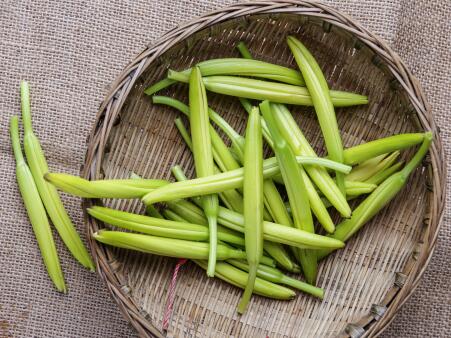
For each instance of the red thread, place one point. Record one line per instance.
(171, 294)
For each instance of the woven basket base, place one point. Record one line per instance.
(359, 281)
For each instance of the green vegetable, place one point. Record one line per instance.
(189, 211)
(221, 154)
(322, 101)
(290, 130)
(184, 133)
(272, 91)
(351, 187)
(244, 51)
(242, 67)
(301, 147)
(366, 151)
(220, 151)
(224, 155)
(365, 166)
(358, 188)
(297, 193)
(115, 188)
(179, 175)
(380, 197)
(36, 212)
(235, 66)
(160, 85)
(161, 227)
(266, 134)
(215, 117)
(225, 181)
(165, 246)
(195, 215)
(239, 278)
(231, 198)
(150, 209)
(247, 105)
(382, 175)
(153, 212)
(316, 203)
(253, 202)
(279, 233)
(271, 195)
(274, 201)
(271, 231)
(203, 158)
(47, 192)
(172, 216)
(281, 256)
(370, 167)
(237, 139)
(268, 261)
(276, 276)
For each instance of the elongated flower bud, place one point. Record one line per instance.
(115, 188)
(36, 212)
(366, 151)
(165, 246)
(237, 277)
(235, 66)
(379, 198)
(229, 180)
(47, 192)
(276, 276)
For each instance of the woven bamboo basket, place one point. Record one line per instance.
(368, 281)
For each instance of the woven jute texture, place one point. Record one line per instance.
(71, 51)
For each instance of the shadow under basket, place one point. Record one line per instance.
(367, 282)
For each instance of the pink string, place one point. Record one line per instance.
(171, 294)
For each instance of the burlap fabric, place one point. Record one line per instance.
(70, 51)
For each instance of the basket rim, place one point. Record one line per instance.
(382, 314)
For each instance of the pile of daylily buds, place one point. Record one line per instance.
(231, 219)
